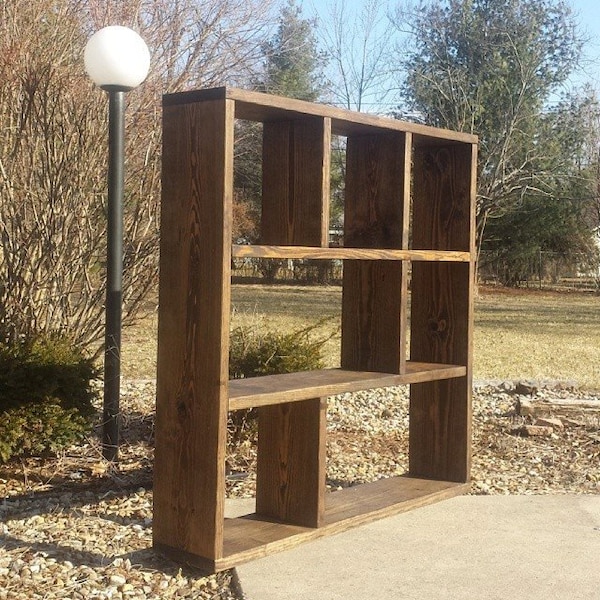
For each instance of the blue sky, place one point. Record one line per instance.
(586, 11)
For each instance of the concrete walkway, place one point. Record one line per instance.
(470, 547)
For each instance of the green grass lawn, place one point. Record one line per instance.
(518, 333)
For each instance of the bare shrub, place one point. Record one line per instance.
(53, 132)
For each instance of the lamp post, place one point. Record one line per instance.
(117, 60)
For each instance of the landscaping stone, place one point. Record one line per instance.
(533, 430)
(91, 536)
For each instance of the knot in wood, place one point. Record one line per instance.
(438, 326)
(182, 411)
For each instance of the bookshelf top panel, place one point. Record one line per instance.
(256, 106)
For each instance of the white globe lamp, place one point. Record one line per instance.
(117, 58)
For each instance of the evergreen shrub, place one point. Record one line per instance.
(46, 397)
(254, 352)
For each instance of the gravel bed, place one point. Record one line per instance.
(75, 527)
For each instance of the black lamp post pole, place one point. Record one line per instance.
(114, 275)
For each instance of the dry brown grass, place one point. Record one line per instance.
(534, 334)
(518, 334)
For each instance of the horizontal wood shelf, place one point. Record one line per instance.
(311, 252)
(250, 537)
(293, 387)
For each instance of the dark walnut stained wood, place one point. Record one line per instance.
(310, 252)
(376, 215)
(290, 478)
(442, 311)
(290, 484)
(191, 405)
(293, 387)
(409, 204)
(295, 183)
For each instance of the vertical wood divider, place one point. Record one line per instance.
(376, 215)
(290, 478)
(192, 382)
(295, 190)
(291, 462)
(442, 311)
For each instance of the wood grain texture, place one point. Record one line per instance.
(194, 292)
(440, 430)
(295, 196)
(442, 311)
(293, 387)
(375, 207)
(375, 216)
(443, 198)
(373, 316)
(290, 472)
(303, 252)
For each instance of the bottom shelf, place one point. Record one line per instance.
(250, 537)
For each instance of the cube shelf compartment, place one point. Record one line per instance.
(409, 205)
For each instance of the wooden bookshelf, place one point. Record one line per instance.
(409, 207)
